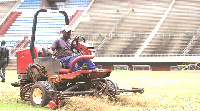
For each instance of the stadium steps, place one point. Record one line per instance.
(12, 63)
(102, 14)
(47, 24)
(195, 47)
(120, 45)
(144, 17)
(167, 44)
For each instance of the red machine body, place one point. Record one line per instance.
(24, 59)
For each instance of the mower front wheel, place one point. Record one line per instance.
(41, 93)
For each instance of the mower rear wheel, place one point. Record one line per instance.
(112, 90)
(101, 87)
(41, 93)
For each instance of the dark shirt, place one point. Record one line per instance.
(61, 43)
(5, 57)
(62, 47)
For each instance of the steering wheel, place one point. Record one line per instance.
(74, 44)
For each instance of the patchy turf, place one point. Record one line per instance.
(163, 91)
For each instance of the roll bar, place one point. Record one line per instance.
(34, 27)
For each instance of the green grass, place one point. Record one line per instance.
(164, 90)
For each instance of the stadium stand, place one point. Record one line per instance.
(5, 7)
(48, 24)
(29, 4)
(103, 17)
(131, 18)
(168, 43)
(178, 30)
(77, 3)
(140, 18)
(143, 16)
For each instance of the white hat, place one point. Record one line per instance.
(66, 28)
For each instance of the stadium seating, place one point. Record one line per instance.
(123, 45)
(29, 4)
(141, 17)
(47, 24)
(178, 29)
(77, 3)
(125, 23)
(5, 7)
(103, 17)
(133, 19)
(183, 17)
(168, 43)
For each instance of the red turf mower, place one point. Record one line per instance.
(44, 80)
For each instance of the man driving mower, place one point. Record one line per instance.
(62, 51)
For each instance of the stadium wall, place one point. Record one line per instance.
(156, 63)
(156, 66)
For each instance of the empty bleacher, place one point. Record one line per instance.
(103, 16)
(48, 24)
(130, 16)
(5, 7)
(125, 23)
(183, 17)
(167, 43)
(123, 45)
(173, 37)
(143, 16)
(178, 29)
(30, 4)
(77, 3)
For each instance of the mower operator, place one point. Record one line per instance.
(62, 46)
(62, 49)
(4, 59)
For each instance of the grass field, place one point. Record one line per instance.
(164, 91)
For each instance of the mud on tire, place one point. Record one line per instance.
(41, 93)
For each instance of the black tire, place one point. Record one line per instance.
(41, 93)
(113, 84)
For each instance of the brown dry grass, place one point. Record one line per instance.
(164, 91)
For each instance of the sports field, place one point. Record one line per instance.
(168, 91)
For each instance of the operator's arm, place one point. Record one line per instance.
(54, 45)
(7, 53)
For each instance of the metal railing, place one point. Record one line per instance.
(140, 35)
(101, 45)
(26, 40)
(186, 49)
